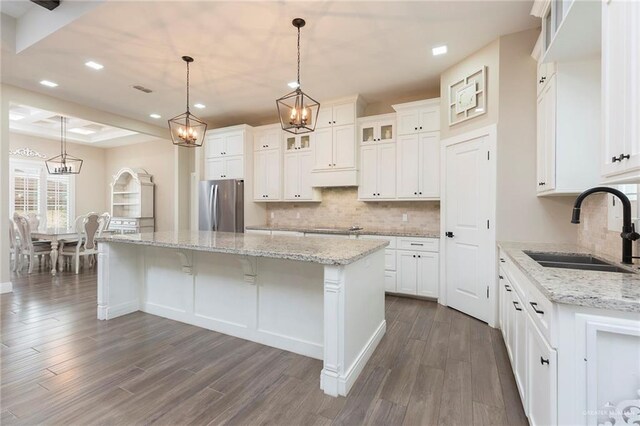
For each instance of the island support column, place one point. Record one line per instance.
(354, 320)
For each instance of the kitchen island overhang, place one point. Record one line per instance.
(322, 298)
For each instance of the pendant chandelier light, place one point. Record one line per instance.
(298, 111)
(187, 129)
(63, 164)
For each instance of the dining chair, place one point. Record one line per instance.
(27, 246)
(14, 246)
(105, 220)
(34, 221)
(87, 229)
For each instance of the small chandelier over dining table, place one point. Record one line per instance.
(187, 129)
(298, 111)
(63, 164)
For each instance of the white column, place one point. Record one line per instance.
(333, 329)
(5, 277)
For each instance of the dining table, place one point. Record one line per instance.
(55, 235)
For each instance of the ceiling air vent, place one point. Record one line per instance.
(143, 89)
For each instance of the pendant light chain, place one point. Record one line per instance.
(298, 57)
(187, 87)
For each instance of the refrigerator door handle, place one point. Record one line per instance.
(215, 207)
(210, 209)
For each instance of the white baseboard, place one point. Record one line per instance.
(110, 312)
(6, 287)
(346, 382)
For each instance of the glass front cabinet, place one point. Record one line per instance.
(296, 142)
(382, 129)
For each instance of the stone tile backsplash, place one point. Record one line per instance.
(340, 208)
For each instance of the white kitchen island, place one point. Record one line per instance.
(323, 298)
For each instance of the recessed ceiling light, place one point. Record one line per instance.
(293, 84)
(94, 65)
(199, 105)
(155, 116)
(81, 131)
(439, 50)
(49, 83)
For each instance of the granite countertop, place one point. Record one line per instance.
(326, 251)
(604, 290)
(348, 231)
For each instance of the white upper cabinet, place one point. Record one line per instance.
(416, 117)
(267, 175)
(225, 143)
(337, 114)
(570, 29)
(377, 172)
(621, 91)
(267, 137)
(418, 162)
(225, 152)
(297, 177)
(296, 142)
(418, 150)
(568, 126)
(378, 129)
(335, 144)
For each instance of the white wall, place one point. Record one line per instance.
(90, 188)
(521, 214)
(511, 105)
(157, 158)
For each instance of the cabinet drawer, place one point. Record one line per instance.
(392, 240)
(539, 308)
(390, 260)
(390, 281)
(418, 244)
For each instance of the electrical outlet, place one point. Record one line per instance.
(298, 215)
(273, 215)
(405, 217)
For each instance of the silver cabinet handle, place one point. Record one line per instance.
(210, 207)
(215, 209)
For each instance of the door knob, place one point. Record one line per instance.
(449, 234)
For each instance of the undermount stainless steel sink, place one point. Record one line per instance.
(583, 262)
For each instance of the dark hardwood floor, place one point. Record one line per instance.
(60, 365)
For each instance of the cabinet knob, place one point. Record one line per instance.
(415, 193)
(544, 361)
(420, 127)
(415, 128)
(419, 193)
(501, 277)
(414, 255)
(334, 121)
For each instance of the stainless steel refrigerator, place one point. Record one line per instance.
(221, 205)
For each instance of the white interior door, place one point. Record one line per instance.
(468, 197)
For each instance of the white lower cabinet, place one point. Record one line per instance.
(542, 397)
(418, 267)
(569, 362)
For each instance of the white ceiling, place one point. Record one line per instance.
(46, 124)
(245, 52)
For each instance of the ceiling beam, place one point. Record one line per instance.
(47, 4)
